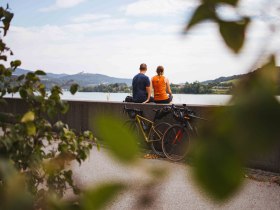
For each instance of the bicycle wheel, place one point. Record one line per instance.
(156, 135)
(132, 126)
(175, 142)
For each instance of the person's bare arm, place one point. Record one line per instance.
(168, 87)
(148, 89)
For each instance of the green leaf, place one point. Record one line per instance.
(30, 76)
(31, 129)
(3, 92)
(23, 93)
(74, 88)
(255, 98)
(15, 63)
(3, 57)
(202, 13)
(7, 117)
(21, 77)
(100, 196)
(64, 107)
(40, 72)
(3, 102)
(28, 117)
(233, 33)
(239, 133)
(218, 168)
(8, 73)
(122, 142)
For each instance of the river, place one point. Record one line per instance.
(206, 99)
(195, 99)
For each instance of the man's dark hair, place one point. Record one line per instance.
(143, 67)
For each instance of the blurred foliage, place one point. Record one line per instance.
(249, 127)
(233, 32)
(99, 197)
(122, 143)
(33, 150)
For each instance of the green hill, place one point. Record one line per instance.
(83, 79)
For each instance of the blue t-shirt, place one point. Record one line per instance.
(139, 84)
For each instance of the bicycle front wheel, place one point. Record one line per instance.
(156, 135)
(175, 142)
(132, 126)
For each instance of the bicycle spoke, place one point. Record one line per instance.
(156, 137)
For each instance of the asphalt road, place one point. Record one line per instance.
(175, 191)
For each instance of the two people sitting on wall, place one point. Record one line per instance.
(142, 87)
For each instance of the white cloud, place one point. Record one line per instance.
(62, 4)
(90, 17)
(146, 26)
(68, 49)
(158, 7)
(98, 43)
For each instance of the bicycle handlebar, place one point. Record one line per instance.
(183, 113)
(180, 113)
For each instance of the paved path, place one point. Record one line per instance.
(176, 192)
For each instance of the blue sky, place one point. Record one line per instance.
(113, 37)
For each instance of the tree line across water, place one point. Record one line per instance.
(191, 88)
(222, 85)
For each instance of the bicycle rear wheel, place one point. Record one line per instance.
(156, 135)
(175, 142)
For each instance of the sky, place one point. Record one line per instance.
(113, 37)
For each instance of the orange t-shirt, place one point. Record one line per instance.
(159, 86)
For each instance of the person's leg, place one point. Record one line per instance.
(170, 98)
(162, 101)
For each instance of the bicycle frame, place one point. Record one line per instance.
(139, 120)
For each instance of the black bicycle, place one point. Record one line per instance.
(151, 131)
(177, 138)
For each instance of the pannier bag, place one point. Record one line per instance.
(128, 99)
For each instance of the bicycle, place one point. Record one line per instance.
(151, 131)
(176, 139)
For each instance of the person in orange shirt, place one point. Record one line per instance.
(161, 87)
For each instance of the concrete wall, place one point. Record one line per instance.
(82, 114)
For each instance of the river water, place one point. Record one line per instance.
(206, 99)
(194, 99)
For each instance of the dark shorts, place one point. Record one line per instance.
(151, 100)
(167, 101)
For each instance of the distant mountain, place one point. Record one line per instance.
(83, 79)
(234, 77)
(224, 79)
(20, 71)
(87, 79)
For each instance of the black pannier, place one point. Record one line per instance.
(128, 99)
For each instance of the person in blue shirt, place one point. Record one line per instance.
(141, 86)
